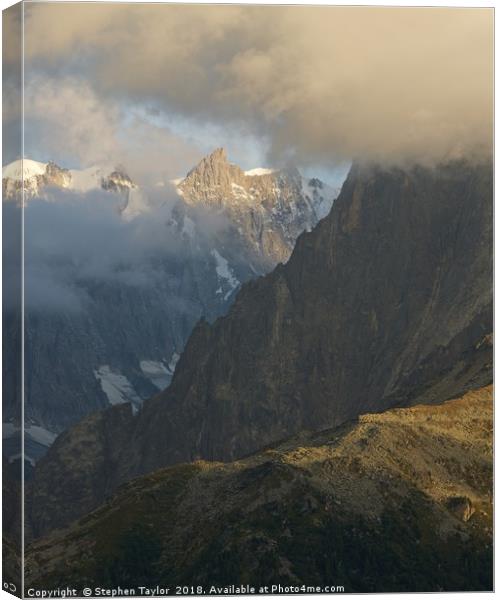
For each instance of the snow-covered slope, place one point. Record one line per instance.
(14, 174)
(36, 441)
(20, 169)
(38, 178)
(88, 179)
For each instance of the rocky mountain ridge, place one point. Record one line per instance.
(122, 346)
(34, 177)
(388, 301)
(270, 208)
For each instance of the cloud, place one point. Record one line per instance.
(319, 83)
(12, 82)
(153, 153)
(77, 241)
(66, 118)
(66, 121)
(45, 291)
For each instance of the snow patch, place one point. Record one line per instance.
(259, 171)
(321, 198)
(40, 434)
(116, 386)
(19, 456)
(9, 430)
(157, 372)
(87, 179)
(137, 204)
(36, 441)
(174, 359)
(225, 273)
(29, 168)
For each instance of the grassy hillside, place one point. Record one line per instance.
(398, 501)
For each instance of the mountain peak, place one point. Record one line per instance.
(218, 155)
(213, 171)
(212, 163)
(23, 169)
(272, 207)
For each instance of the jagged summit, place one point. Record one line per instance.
(270, 207)
(213, 170)
(219, 155)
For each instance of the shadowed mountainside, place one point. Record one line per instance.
(398, 501)
(388, 301)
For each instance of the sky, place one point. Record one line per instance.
(156, 87)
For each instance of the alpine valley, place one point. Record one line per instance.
(95, 339)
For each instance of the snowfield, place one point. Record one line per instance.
(27, 168)
(116, 386)
(225, 273)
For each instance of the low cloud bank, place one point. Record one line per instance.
(321, 84)
(74, 242)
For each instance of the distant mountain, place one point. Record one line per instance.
(123, 345)
(269, 208)
(388, 301)
(392, 502)
(35, 176)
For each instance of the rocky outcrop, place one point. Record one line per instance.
(270, 208)
(461, 506)
(386, 302)
(365, 506)
(389, 298)
(54, 176)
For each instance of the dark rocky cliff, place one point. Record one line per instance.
(387, 300)
(387, 297)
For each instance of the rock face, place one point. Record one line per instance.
(387, 299)
(122, 345)
(270, 208)
(386, 302)
(366, 506)
(461, 507)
